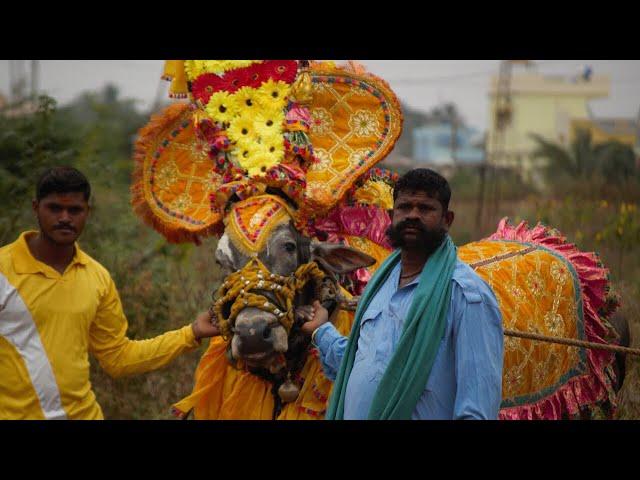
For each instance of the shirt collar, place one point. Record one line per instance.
(25, 262)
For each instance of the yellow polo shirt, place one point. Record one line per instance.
(48, 325)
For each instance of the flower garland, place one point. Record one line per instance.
(250, 123)
(195, 68)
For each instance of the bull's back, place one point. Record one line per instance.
(539, 291)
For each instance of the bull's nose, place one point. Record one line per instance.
(254, 339)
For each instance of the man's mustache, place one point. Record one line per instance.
(64, 227)
(416, 224)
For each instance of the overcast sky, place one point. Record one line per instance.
(421, 84)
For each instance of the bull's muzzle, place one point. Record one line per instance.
(255, 338)
(257, 335)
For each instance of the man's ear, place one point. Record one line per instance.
(34, 205)
(449, 217)
(338, 258)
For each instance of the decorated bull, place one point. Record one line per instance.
(277, 158)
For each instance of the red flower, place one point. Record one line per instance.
(283, 70)
(234, 80)
(255, 75)
(206, 85)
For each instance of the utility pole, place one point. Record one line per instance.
(12, 81)
(35, 67)
(494, 151)
(481, 189)
(17, 80)
(454, 139)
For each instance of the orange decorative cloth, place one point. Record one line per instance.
(225, 392)
(545, 285)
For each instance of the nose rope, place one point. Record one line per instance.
(238, 289)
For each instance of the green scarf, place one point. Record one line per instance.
(406, 376)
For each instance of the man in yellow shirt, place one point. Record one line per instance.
(57, 304)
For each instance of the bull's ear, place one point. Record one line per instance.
(338, 258)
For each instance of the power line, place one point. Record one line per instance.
(453, 77)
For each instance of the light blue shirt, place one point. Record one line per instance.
(466, 377)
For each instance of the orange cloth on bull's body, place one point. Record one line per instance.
(223, 392)
(536, 293)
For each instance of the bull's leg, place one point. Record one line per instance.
(621, 327)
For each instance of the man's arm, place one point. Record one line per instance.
(478, 339)
(326, 337)
(118, 355)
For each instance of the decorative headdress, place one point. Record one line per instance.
(260, 137)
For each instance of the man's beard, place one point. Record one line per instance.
(426, 240)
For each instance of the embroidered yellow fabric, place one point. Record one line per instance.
(356, 120)
(375, 192)
(250, 222)
(536, 293)
(173, 180)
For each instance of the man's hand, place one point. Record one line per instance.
(203, 327)
(315, 319)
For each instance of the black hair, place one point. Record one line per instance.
(62, 180)
(425, 180)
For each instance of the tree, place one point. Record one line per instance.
(583, 161)
(28, 144)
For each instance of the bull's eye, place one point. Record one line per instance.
(290, 247)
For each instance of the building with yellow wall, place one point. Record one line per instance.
(623, 130)
(544, 105)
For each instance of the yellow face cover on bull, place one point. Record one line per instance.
(238, 291)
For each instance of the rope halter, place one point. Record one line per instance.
(238, 292)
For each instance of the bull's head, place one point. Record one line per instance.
(261, 334)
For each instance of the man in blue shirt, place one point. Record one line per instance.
(465, 379)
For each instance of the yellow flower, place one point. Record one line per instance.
(222, 107)
(246, 98)
(241, 128)
(221, 66)
(268, 123)
(261, 161)
(194, 68)
(273, 95)
(254, 157)
(274, 144)
(245, 149)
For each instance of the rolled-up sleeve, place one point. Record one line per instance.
(332, 346)
(479, 347)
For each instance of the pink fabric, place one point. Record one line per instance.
(298, 113)
(359, 221)
(586, 390)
